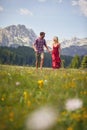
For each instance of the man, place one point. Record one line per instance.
(39, 49)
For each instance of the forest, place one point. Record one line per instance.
(25, 56)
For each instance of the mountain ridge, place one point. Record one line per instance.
(17, 35)
(20, 35)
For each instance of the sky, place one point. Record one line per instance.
(62, 18)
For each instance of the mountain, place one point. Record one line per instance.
(75, 46)
(16, 36)
(75, 50)
(72, 47)
(74, 42)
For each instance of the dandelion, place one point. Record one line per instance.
(73, 104)
(2, 99)
(11, 116)
(41, 119)
(69, 128)
(28, 103)
(76, 117)
(40, 83)
(25, 95)
(17, 83)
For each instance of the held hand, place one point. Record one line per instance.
(36, 50)
(50, 52)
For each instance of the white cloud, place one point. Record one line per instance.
(60, 1)
(24, 11)
(74, 2)
(1, 9)
(82, 4)
(41, 0)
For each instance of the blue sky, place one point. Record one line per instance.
(63, 18)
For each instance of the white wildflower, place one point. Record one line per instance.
(45, 82)
(17, 83)
(9, 74)
(41, 119)
(73, 104)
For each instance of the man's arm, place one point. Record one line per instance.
(47, 48)
(34, 46)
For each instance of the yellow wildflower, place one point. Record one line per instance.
(25, 95)
(11, 116)
(85, 116)
(29, 103)
(40, 83)
(85, 92)
(64, 113)
(76, 117)
(2, 99)
(69, 128)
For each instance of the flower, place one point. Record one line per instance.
(40, 83)
(45, 82)
(41, 119)
(17, 83)
(25, 95)
(11, 116)
(28, 103)
(2, 99)
(69, 128)
(73, 104)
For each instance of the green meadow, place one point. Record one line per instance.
(24, 90)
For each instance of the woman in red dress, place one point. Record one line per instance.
(56, 61)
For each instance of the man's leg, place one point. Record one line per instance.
(42, 60)
(37, 60)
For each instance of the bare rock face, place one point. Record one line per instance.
(16, 36)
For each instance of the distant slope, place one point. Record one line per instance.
(75, 50)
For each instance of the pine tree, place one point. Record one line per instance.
(84, 62)
(75, 63)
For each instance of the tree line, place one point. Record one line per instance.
(26, 56)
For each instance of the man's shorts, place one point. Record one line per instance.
(39, 56)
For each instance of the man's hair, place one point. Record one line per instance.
(42, 33)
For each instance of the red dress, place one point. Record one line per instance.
(56, 61)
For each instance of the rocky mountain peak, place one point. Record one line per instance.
(17, 35)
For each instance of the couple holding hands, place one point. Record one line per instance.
(39, 51)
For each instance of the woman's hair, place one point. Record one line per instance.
(55, 38)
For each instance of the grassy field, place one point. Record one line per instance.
(23, 91)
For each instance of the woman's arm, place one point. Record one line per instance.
(59, 50)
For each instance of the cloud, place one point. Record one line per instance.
(24, 11)
(74, 3)
(41, 0)
(60, 1)
(82, 4)
(1, 8)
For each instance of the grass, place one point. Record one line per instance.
(24, 90)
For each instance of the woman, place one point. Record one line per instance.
(56, 61)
